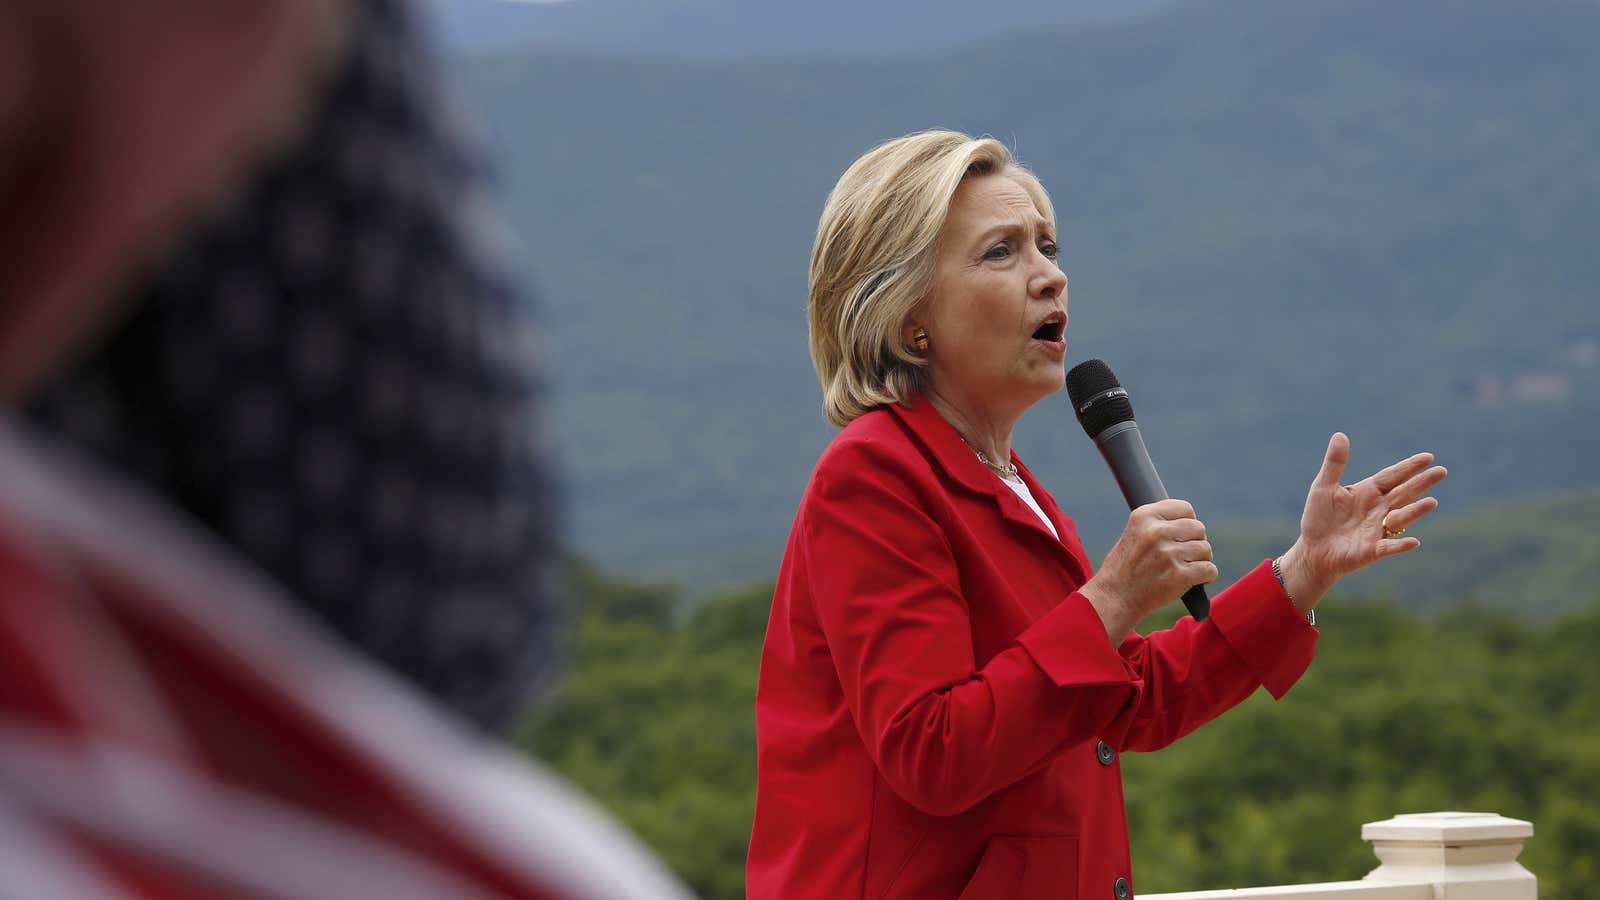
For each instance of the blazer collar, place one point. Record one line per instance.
(961, 464)
(949, 451)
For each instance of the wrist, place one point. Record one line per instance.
(1300, 581)
(1112, 609)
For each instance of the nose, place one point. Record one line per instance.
(1048, 281)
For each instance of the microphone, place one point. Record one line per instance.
(1106, 414)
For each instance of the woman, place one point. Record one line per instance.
(946, 682)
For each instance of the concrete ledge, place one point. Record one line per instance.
(1422, 856)
(1453, 828)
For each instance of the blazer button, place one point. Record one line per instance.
(1104, 753)
(1121, 889)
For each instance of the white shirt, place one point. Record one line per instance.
(1021, 490)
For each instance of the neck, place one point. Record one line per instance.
(981, 430)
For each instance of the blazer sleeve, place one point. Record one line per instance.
(1195, 671)
(945, 733)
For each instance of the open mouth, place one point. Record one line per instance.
(1051, 329)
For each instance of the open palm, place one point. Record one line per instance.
(1347, 527)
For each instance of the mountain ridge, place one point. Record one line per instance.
(741, 29)
(1278, 223)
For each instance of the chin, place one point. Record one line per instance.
(1055, 379)
(1039, 388)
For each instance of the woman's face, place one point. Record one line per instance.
(997, 313)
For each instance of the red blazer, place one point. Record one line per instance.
(939, 711)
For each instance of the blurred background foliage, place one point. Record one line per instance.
(1280, 217)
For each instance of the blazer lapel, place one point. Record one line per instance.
(961, 464)
(1070, 542)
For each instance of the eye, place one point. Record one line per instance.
(998, 251)
(1049, 249)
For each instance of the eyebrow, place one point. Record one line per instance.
(1041, 225)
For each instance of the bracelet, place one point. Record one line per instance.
(1277, 571)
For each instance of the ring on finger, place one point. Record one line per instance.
(1391, 535)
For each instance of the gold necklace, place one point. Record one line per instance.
(1004, 471)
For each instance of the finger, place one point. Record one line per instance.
(1334, 461)
(1195, 551)
(1396, 546)
(1415, 486)
(1172, 509)
(1184, 530)
(1406, 516)
(1199, 572)
(1391, 477)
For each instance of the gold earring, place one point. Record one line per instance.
(919, 340)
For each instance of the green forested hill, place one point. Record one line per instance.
(1536, 559)
(1281, 217)
(1462, 708)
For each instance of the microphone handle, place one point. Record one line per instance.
(1198, 603)
(1124, 450)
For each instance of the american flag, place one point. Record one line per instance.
(171, 726)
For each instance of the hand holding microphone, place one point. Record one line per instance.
(1163, 551)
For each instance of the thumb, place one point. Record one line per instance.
(1334, 462)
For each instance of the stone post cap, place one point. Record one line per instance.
(1448, 828)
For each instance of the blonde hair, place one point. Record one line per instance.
(873, 261)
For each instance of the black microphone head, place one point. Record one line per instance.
(1097, 397)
